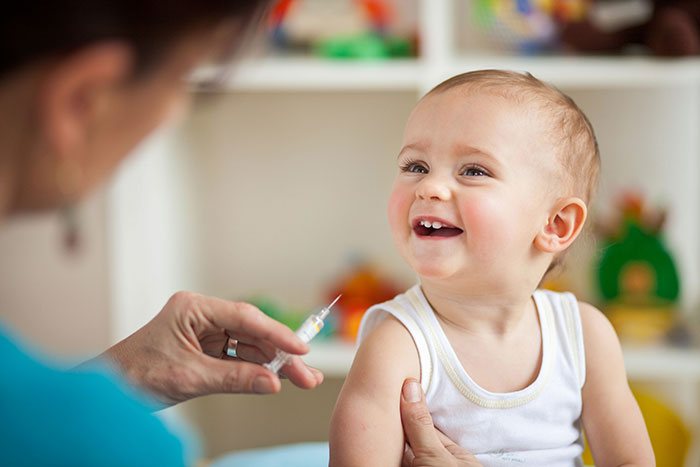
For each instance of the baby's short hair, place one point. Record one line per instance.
(573, 138)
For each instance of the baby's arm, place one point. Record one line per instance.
(366, 424)
(611, 417)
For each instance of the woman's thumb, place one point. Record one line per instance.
(416, 419)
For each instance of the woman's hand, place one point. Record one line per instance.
(181, 353)
(427, 446)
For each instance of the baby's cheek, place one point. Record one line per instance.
(397, 210)
(487, 223)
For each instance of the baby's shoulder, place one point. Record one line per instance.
(593, 322)
(599, 336)
(388, 347)
(389, 334)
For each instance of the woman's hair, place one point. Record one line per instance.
(52, 28)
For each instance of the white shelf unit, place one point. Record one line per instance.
(655, 363)
(289, 74)
(646, 111)
(175, 212)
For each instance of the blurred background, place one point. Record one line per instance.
(273, 189)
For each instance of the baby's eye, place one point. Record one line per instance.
(414, 167)
(474, 172)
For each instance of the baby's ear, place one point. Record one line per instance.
(563, 226)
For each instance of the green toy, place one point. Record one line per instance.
(363, 46)
(292, 318)
(636, 268)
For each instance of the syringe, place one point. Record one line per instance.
(307, 331)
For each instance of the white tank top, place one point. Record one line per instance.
(536, 426)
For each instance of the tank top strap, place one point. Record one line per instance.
(401, 308)
(567, 308)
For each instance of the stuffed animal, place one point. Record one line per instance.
(672, 30)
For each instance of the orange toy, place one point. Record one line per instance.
(361, 287)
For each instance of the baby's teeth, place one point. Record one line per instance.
(434, 225)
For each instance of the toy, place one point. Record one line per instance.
(637, 277)
(635, 266)
(528, 26)
(672, 30)
(339, 28)
(362, 286)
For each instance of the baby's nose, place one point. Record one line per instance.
(434, 187)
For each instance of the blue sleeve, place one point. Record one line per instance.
(52, 417)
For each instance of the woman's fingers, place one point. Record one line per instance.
(416, 419)
(296, 370)
(238, 376)
(456, 450)
(447, 442)
(408, 457)
(240, 318)
(250, 353)
(176, 356)
(258, 338)
(428, 446)
(302, 375)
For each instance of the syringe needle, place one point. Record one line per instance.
(333, 302)
(324, 311)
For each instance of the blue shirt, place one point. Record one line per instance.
(78, 417)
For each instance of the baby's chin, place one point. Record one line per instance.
(430, 264)
(433, 270)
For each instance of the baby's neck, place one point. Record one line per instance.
(477, 312)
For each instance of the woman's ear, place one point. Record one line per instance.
(563, 226)
(74, 90)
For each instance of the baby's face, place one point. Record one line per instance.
(474, 187)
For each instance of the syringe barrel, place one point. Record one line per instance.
(281, 359)
(309, 328)
(307, 331)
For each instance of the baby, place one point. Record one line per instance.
(495, 173)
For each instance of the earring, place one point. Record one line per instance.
(71, 228)
(68, 177)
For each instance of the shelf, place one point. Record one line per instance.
(590, 71)
(332, 357)
(662, 362)
(655, 363)
(312, 74)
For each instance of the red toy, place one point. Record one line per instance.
(379, 12)
(361, 287)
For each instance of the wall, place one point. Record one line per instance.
(57, 300)
(285, 197)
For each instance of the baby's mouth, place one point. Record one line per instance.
(425, 228)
